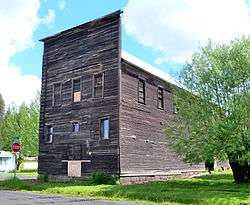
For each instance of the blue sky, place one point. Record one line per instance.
(77, 12)
(163, 33)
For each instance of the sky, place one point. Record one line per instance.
(164, 33)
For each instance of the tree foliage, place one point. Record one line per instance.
(213, 119)
(1, 107)
(21, 124)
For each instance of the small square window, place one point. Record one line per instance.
(160, 98)
(49, 135)
(57, 94)
(141, 91)
(104, 131)
(75, 127)
(175, 109)
(98, 85)
(77, 90)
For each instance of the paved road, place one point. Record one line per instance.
(27, 198)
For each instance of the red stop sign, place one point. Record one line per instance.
(16, 147)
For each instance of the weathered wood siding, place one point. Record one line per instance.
(143, 144)
(81, 52)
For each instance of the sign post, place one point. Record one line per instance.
(15, 149)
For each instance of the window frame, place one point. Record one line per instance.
(94, 86)
(100, 126)
(72, 126)
(74, 79)
(49, 137)
(160, 99)
(175, 109)
(53, 94)
(144, 91)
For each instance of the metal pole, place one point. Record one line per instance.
(15, 165)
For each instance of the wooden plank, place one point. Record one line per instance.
(144, 147)
(81, 52)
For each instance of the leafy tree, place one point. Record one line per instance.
(21, 124)
(1, 107)
(213, 119)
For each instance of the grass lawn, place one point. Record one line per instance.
(21, 173)
(217, 188)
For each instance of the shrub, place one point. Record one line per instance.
(101, 177)
(43, 177)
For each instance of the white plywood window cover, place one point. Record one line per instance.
(77, 96)
(74, 169)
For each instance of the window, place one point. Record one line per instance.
(98, 85)
(49, 136)
(57, 94)
(160, 98)
(104, 131)
(75, 127)
(77, 90)
(141, 91)
(175, 109)
(4, 160)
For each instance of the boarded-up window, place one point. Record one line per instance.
(49, 135)
(104, 131)
(57, 94)
(74, 169)
(77, 90)
(75, 127)
(160, 98)
(141, 91)
(98, 85)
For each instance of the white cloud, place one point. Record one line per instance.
(49, 19)
(177, 28)
(16, 87)
(18, 21)
(62, 4)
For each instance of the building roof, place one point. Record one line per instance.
(5, 154)
(70, 30)
(125, 55)
(149, 68)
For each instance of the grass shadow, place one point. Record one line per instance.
(208, 189)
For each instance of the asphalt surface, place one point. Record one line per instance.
(27, 198)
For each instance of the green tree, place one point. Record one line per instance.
(213, 119)
(21, 124)
(1, 107)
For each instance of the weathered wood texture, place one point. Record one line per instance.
(143, 145)
(81, 52)
(137, 145)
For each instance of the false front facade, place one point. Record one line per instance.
(103, 109)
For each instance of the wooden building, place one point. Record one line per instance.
(102, 108)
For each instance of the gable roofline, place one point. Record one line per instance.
(140, 64)
(57, 35)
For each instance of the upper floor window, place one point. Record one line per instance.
(141, 91)
(49, 135)
(75, 127)
(77, 90)
(175, 109)
(98, 85)
(57, 94)
(160, 98)
(104, 130)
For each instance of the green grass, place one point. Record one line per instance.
(21, 173)
(217, 188)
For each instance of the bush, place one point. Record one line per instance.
(43, 177)
(100, 177)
